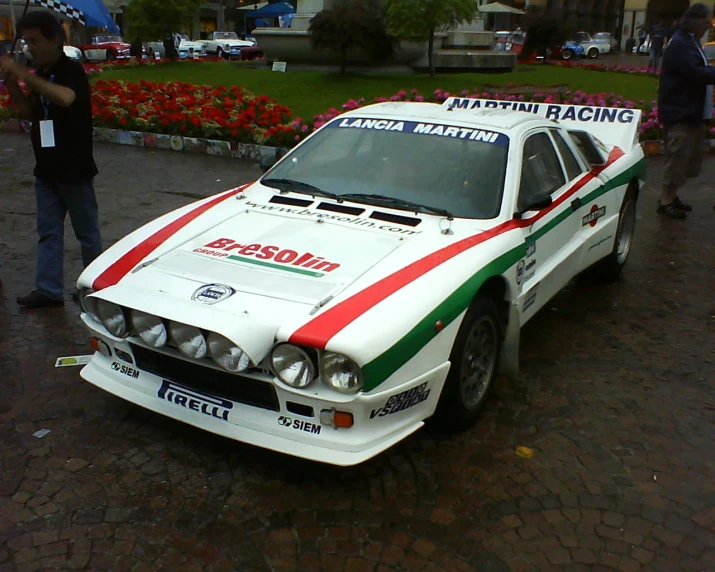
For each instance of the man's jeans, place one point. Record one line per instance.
(54, 200)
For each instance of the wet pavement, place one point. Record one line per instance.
(616, 400)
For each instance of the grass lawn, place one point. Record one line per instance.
(309, 93)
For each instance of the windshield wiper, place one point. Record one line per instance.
(298, 187)
(382, 199)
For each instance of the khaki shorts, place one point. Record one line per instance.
(684, 150)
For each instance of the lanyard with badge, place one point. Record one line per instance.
(47, 128)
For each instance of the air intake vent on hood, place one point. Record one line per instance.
(290, 201)
(399, 219)
(340, 209)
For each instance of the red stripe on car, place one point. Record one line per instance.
(318, 332)
(123, 265)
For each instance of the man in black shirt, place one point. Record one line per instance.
(61, 112)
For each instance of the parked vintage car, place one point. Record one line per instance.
(187, 48)
(356, 289)
(105, 48)
(592, 49)
(225, 44)
(571, 50)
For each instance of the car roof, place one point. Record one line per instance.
(494, 119)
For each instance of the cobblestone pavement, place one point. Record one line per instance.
(616, 400)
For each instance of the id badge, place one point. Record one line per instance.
(47, 133)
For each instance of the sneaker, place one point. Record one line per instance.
(680, 205)
(671, 211)
(37, 300)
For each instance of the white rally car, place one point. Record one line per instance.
(377, 275)
(225, 44)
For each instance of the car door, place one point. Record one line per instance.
(551, 253)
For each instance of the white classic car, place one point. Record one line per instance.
(592, 48)
(358, 288)
(187, 49)
(225, 44)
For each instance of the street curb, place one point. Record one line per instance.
(214, 147)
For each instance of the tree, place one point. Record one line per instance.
(420, 19)
(159, 19)
(545, 30)
(349, 25)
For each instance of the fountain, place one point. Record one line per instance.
(467, 47)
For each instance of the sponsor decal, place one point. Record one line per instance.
(600, 242)
(270, 256)
(188, 398)
(583, 113)
(530, 297)
(530, 249)
(436, 129)
(530, 270)
(125, 369)
(592, 217)
(334, 217)
(299, 425)
(212, 293)
(520, 272)
(401, 401)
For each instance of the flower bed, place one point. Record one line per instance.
(234, 114)
(638, 70)
(98, 67)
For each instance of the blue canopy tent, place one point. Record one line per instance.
(271, 10)
(87, 12)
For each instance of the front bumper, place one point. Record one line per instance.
(267, 416)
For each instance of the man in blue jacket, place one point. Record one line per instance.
(685, 104)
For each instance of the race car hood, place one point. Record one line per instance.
(277, 256)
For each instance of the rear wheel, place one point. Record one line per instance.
(593, 53)
(567, 54)
(474, 364)
(609, 268)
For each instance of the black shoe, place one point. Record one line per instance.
(671, 211)
(680, 205)
(37, 300)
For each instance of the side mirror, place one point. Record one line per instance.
(537, 202)
(267, 161)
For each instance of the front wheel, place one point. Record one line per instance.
(609, 268)
(593, 53)
(567, 54)
(219, 53)
(474, 364)
(111, 56)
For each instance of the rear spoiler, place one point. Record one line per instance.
(611, 125)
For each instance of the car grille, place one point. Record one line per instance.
(208, 380)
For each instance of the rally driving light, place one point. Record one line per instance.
(340, 372)
(189, 339)
(227, 354)
(292, 365)
(112, 317)
(150, 328)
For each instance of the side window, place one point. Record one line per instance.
(541, 170)
(573, 168)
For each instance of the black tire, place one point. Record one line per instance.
(456, 409)
(609, 268)
(219, 53)
(567, 54)
(593, 53)
(111, 56)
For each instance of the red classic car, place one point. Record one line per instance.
(105, 47)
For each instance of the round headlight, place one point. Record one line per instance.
(112, 317)
(190, 340)
(150, 328)
(227, 354)
(292, 365)
(340, 372)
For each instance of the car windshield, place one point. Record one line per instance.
(603, 36)
(709, 51)
(225, 36)
(185, 37)
(455, 168)
(105, 39)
